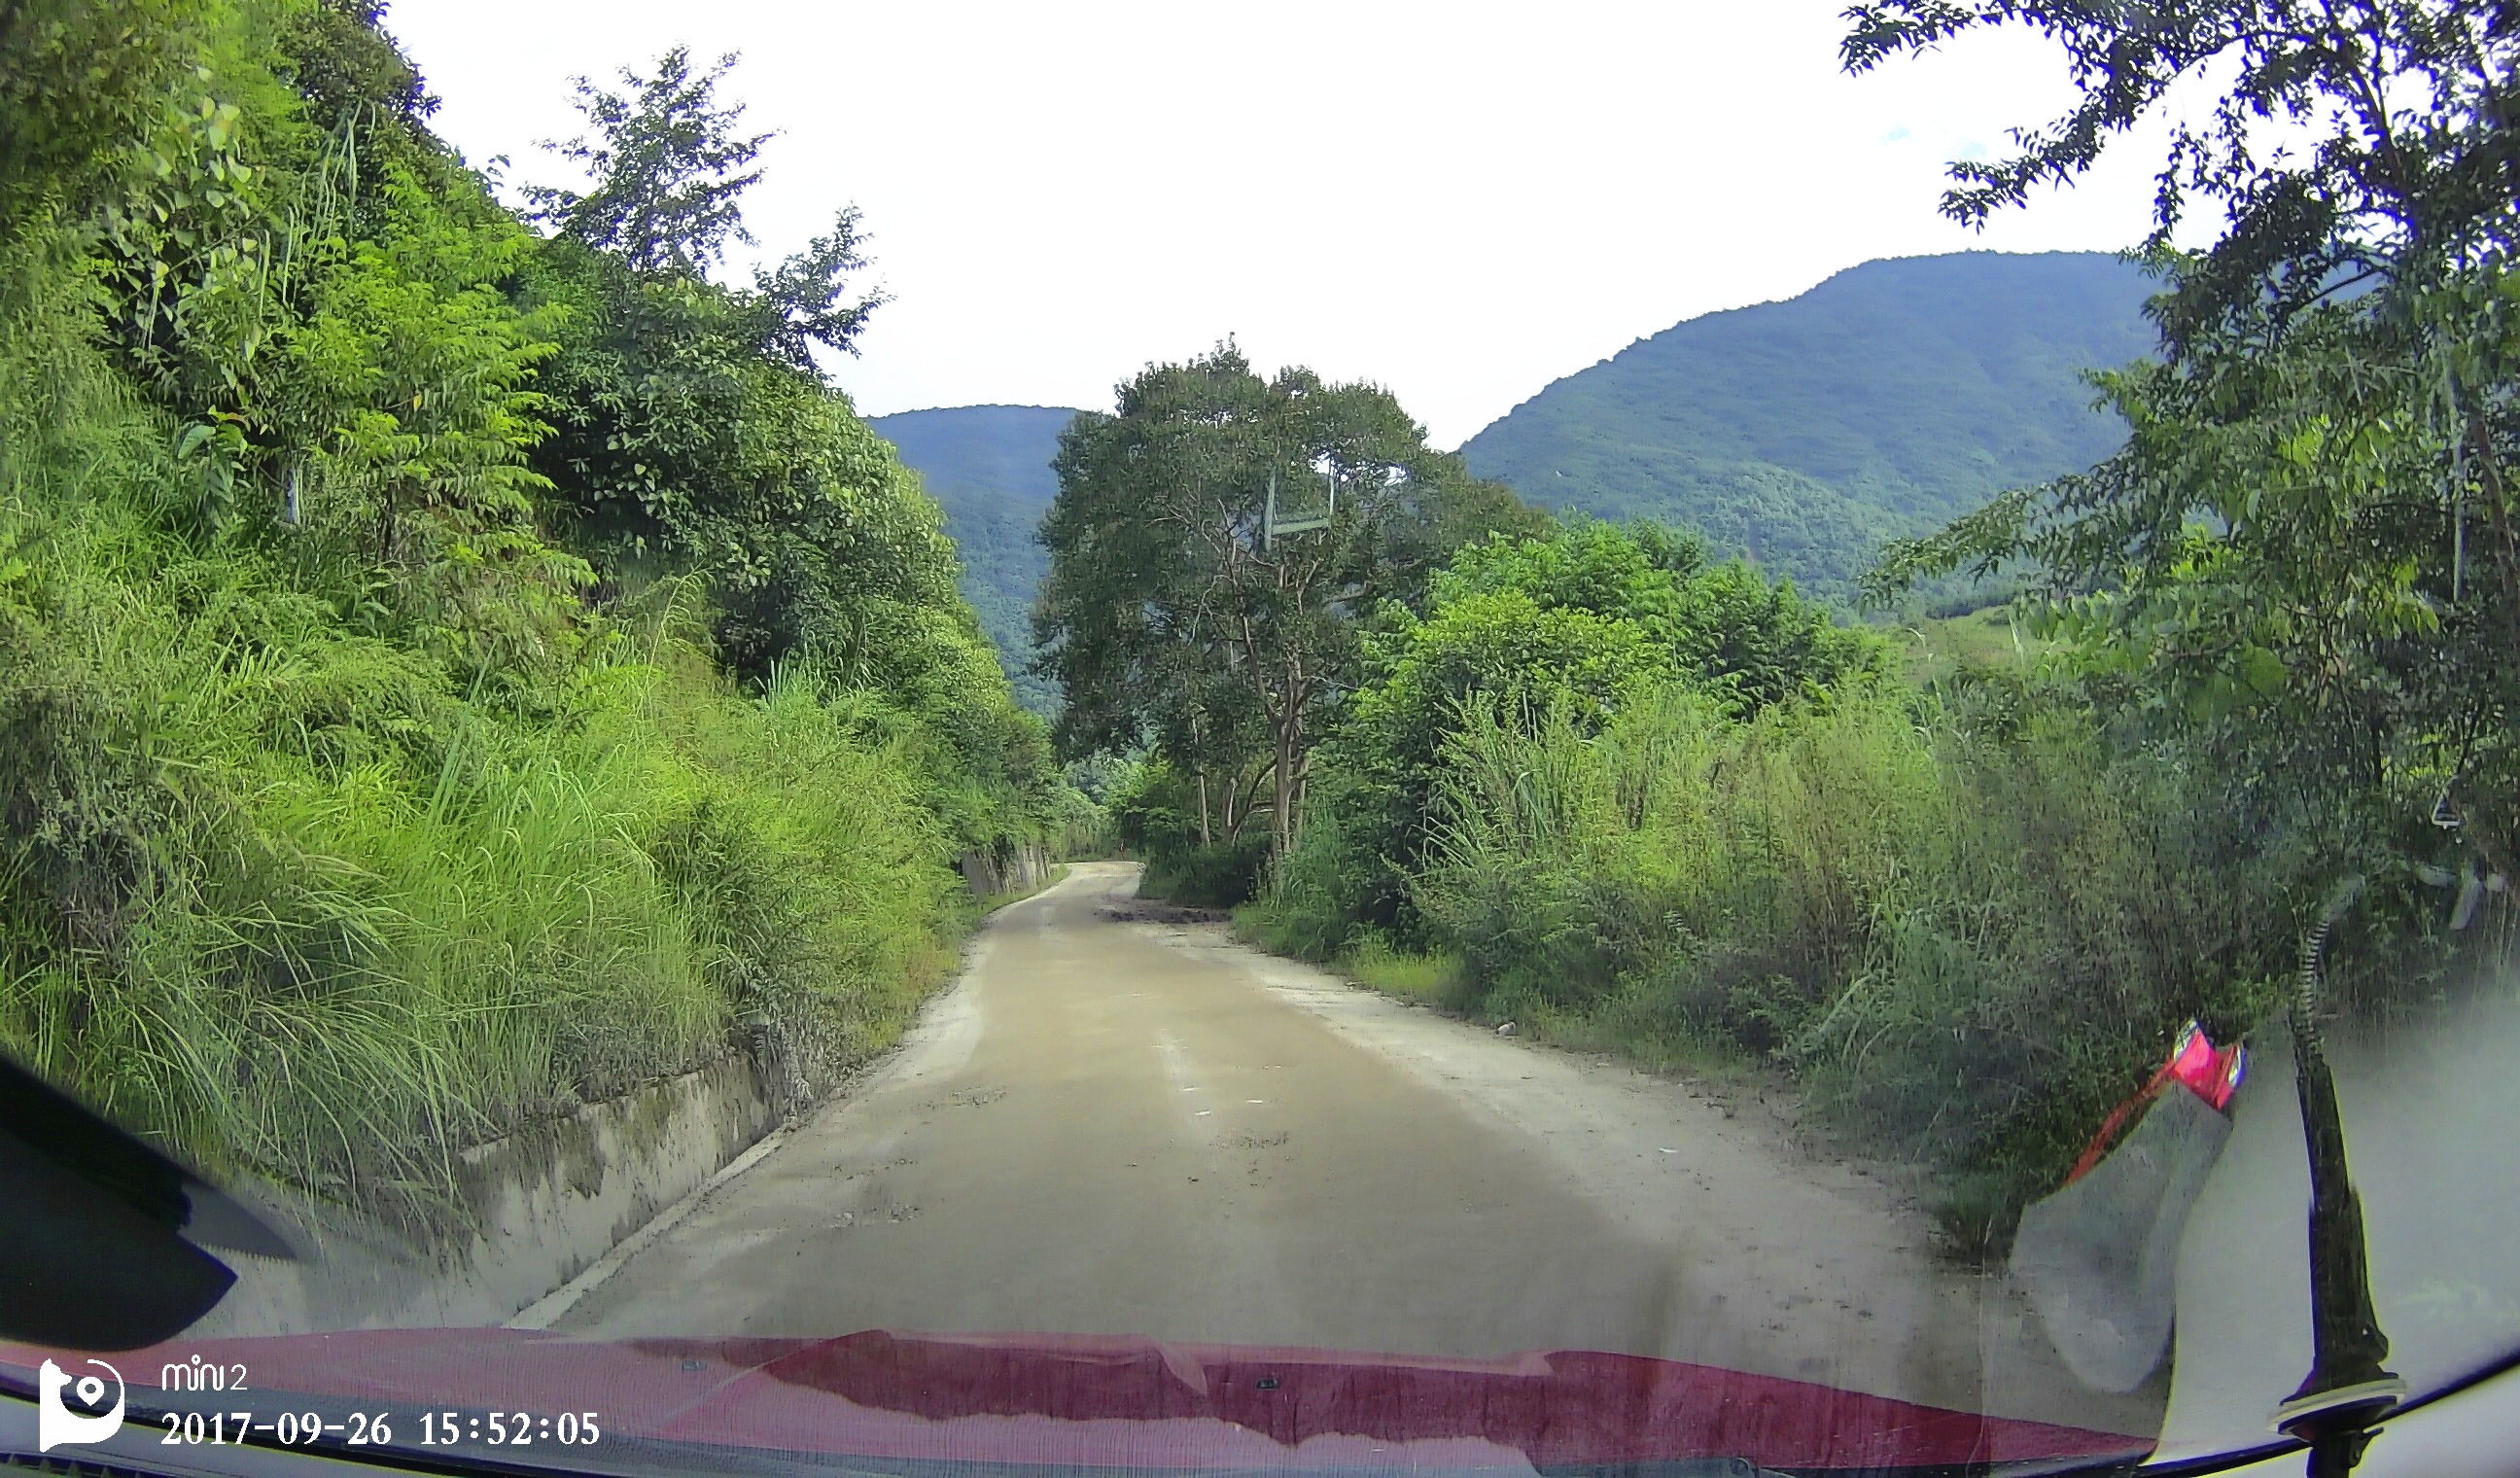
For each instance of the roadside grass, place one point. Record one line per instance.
(282, 900)
(1440, 979)
(1430, 978)
(1433, 978)
(1956, 924)
(346, 820)
(1628, 1026)
(1964, 945)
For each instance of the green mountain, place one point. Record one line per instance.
(1803, 433)
(988, 466)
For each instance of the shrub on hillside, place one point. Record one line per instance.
(1968, 943)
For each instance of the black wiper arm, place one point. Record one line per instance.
(2348, 1389)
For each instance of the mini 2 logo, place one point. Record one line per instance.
(55, 1420)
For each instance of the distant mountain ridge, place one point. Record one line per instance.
(1881, 403)
(1803, 433)
(988, 466)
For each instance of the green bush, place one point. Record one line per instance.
(1217, 876)
(1969, 945)
(1154, 815)
(1575, 626)
(1970, 916)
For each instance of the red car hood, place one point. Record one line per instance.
(1069, 1401)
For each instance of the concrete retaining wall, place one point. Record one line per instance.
(1015, 870)
(545, 1203)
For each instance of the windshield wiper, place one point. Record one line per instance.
(2348, 1390)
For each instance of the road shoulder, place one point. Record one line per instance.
(1825, 1266)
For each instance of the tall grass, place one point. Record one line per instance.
(283, 892)
(279, 898)
(1968, 938)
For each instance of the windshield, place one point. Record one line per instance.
(1329, 740)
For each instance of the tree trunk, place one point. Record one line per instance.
(1282, 815)
(2489, 471)
(1206, 838)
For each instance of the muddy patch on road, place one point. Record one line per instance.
(1156, 910)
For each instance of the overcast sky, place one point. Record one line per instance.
(1457, 201)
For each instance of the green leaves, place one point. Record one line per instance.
(678, 435)
(1173, 617)
(2404, 106)
(669, 169)
(210, 450)
(1567, 632)
(2302, 568)
(2298, 567)
(82, 86)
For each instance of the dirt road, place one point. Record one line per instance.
(1112, 1127)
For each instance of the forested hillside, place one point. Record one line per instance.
(452, 665)
(988, 467)
(1805, 434)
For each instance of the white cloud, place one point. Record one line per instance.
(1460, 202)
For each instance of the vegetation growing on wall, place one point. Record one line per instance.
(447, 671)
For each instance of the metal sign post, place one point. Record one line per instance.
(1271, 526)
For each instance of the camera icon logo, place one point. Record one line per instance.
(56, 1422)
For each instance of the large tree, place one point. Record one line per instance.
(668, 166)
(1175, 617)
(2303, 564)
(692, 426)
(2356, 140)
